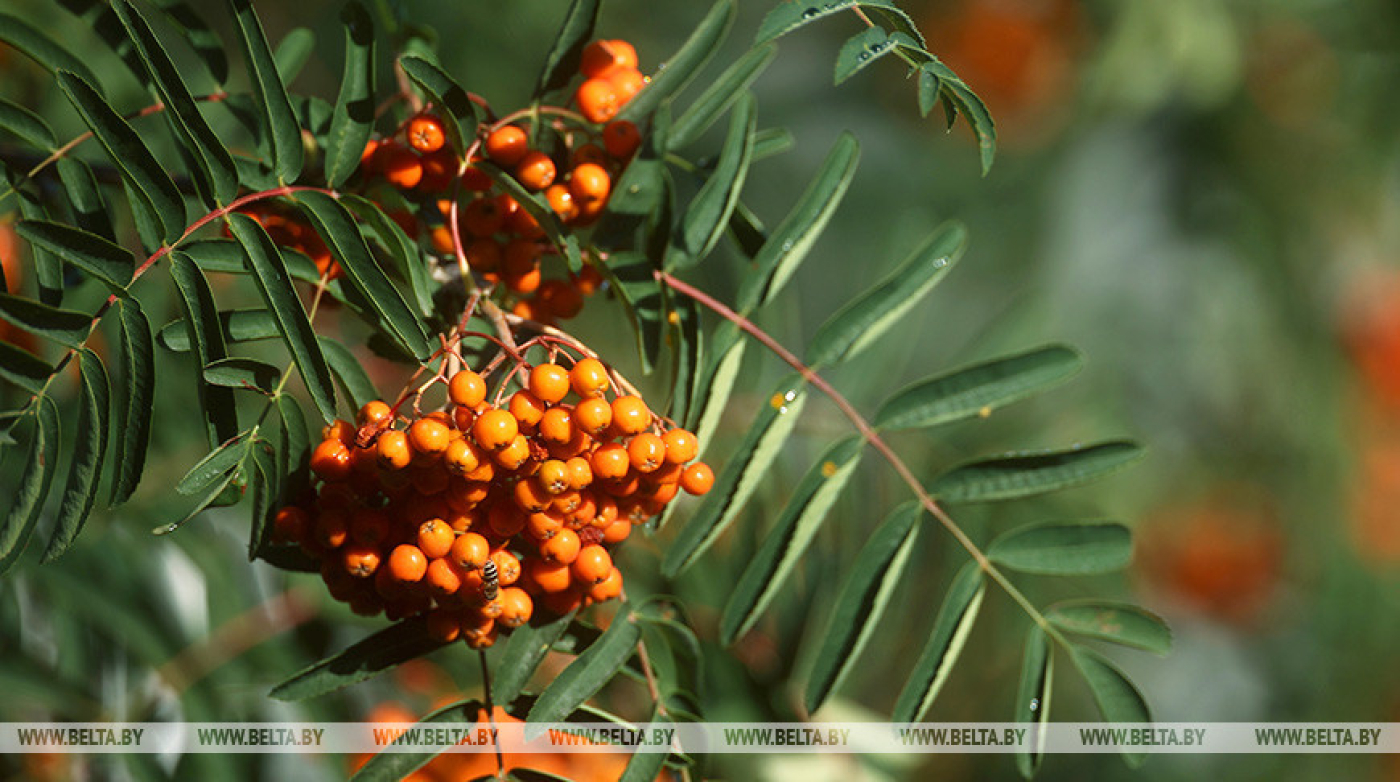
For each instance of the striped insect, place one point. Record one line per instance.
(490, 580)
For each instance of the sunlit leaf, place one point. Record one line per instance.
(707, 216)
(273, 106)
(1120, 623)
(564, 56)
(719, 97)
(214, 465)
(353, 119)
(868, 316)
(742, 473)
(236, 325)
(713, 386)
(407, 257)
(393, 766)
(243, 373)
(1064, 548)
(524, 650)
(588, 672)
(787, 541)
(1033, 698)
(945, 643)
(352, 375)
(789, 243)
(865, 593)
(1116, 696)
(683, 66)
(1026, 474)
(85, 464)
(864, 48)
(979, 389)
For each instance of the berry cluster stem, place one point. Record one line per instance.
(876, 441)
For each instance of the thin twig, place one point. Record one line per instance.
(491, 714)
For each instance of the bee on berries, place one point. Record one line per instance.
(490, 581)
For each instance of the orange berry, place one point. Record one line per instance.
(630, 415)
(429, 436)
(507, 567)
(621, 138)
(481, 639)
(331, 461)
(483, 254)
(469, 551)
(618, 531)
(393, 450)
(589, 378)
(505, 519)
(601, 56)
(557, 425)
(598, 100)
(697, 478)
(592, 566)
(407, 563)
(343, 431)
(521, 272)
(561, 200)
(514, 455)
(369, 526)
(475, 180)
(531, 496)
(553, 476)
(507, 145)
(681, 446)
(590, 184)
(563, 547)
(439, 169)
(443, 577)
(527, 408)
(560, 298)
(466, 389)
(290, 524)
(588, 280)
(611, 461)
(549, 382)
(547, 576)
(361, 561)
(484, 216)
(579, 473)
(435, 538)
(536, 171)
(646, 451)
(441, 239)
(592, 415)
(608, 588)
(516, 607)
(544, 524)
(627, 82)
(399, 165)
(495, 429)
(460, 458)
(425, 133)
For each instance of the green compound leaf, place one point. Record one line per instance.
(41, 49)
(524, 650)
(90, 210)
(407, 256)
(220, 178)
(396, 765)
(1117, 698)
(787, 246)
(26, 125)
(1033, 698)
(950, 630)
(138, 166)
(370, 657)
(66, 327)
(446, 94)
(716, 381)
(85, 466)
(642, 297)
(281, 299)
(588, 672)
(867, 317)
(864, 48)
(39, 467)
(346, 367)
(341, 234)
(865, 594)
(788, 540)
(1064, 549)
(718, 98)
(273, 105)
(134, 435)
(979, 389)
(293, 52)
(562, 61)
(205, 331)
(684, 64)
(707, 217)
(243, 374)
(740, 477)
(353, 119)
(108, 262)
(1120, 623)
(236, 325)
(1028, 474)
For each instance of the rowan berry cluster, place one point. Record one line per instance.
(475, 514)
(565, 156)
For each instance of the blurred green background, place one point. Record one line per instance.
(1204, 197)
